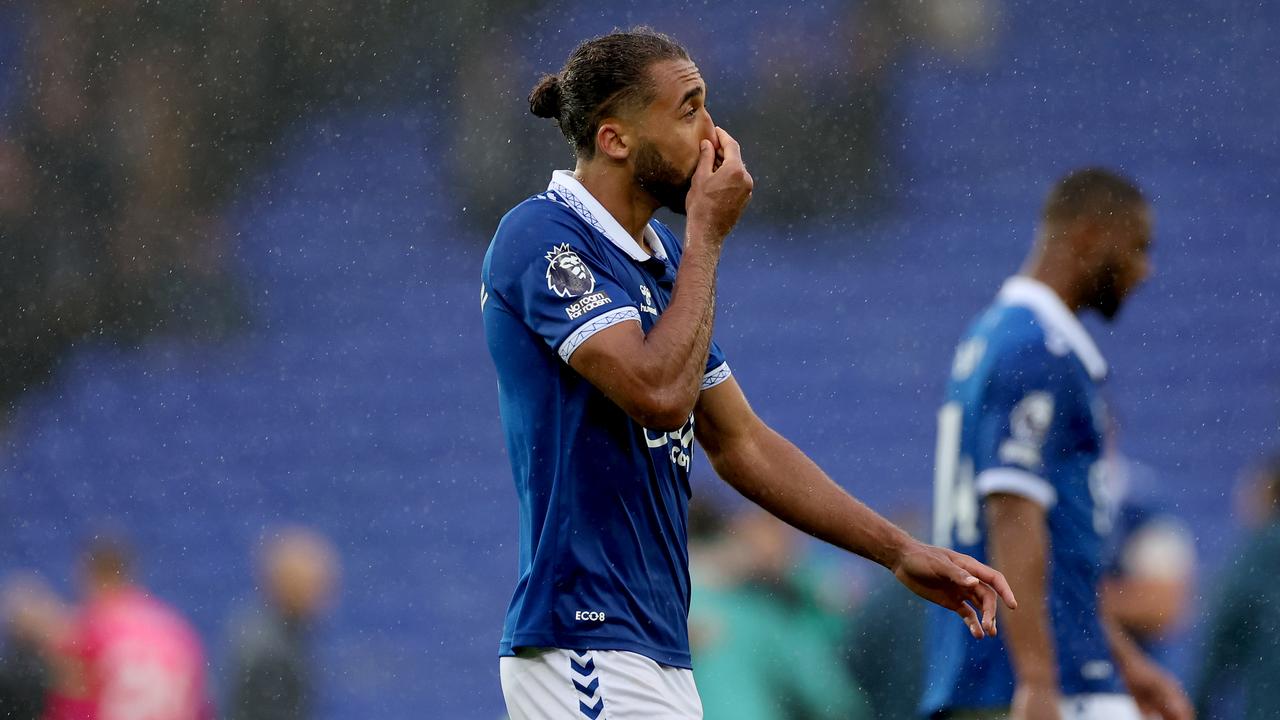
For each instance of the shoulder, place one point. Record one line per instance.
(255, 629)
(537, 217)
(1016, 343)
(534, 231)
(1263, 548)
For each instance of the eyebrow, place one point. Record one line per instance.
(695, 92)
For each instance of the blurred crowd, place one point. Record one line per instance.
(821, 95)
(118, 651)
(135, 123)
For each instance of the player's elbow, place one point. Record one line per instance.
(663, 411)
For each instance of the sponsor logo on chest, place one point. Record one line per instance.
(677, 443)
(647, 304)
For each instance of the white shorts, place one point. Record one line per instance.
(555, 684)
(1101, 706)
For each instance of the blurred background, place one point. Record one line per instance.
(239, 253)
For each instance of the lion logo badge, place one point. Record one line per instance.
(567, 275)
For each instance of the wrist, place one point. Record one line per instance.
(1038, 678)
(894, 548)
(702, 234)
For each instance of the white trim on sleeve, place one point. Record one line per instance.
(716, 375)
(1017, 482)
(593, 326)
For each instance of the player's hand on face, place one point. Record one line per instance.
(956, 582)
(721, 186)
(1036, 701)
(1157, 693)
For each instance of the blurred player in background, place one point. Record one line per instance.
(272, 675)
(764, 630)
(599, 322)
(1018, 478)
(32, 615)
(125, 655)
(1243, 642)
(1149, 575)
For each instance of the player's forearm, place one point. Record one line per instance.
(1019, 547)
(675, 349)
(1143, 606)
(1128, 656)
(767, 469)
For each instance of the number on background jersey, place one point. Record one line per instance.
(1106, 502)
(955, 500)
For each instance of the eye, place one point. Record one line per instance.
(691, 113)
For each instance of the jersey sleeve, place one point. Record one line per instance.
(1013, 425)
(544, 268)
(717, 367)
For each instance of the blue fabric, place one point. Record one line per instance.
(1029, 407)
(603, 501)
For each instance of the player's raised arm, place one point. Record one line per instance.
(768, 469)
(656, 377)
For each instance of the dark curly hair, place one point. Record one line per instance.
(602, 77)
(1091, 192)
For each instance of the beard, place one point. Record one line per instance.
(661, 179)
(1105, 295)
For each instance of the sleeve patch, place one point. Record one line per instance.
(567, 275)
(1028, 425)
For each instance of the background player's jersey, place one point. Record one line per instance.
(1024, 416)
(603, 500)
(134, 658)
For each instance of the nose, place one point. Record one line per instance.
(709, 129)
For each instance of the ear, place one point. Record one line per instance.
(613, 140)
(1089, 239)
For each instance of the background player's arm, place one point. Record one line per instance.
(656, 378)
(1152, 587)
(766, 468)
(1157, 693)
(1019, 546)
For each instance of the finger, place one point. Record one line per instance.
(987, 601)
(706, 159)
(1180, 707)
(728, 146)
(988, 575)
(971, 620)
(975, 594)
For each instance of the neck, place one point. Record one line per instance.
(1058, 272)
(108, 588)
(614, 187)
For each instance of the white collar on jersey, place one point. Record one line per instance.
(1060, 324)
(588, 208)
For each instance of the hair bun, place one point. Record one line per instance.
(544, 99)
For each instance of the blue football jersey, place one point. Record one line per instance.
(603, 501)
(1024, 415)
